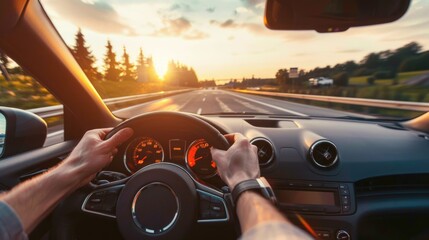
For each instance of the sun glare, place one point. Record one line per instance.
(160, 68)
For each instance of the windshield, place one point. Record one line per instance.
(199, 56)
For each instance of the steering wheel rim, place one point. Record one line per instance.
(177, 119)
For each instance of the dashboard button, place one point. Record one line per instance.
(95, 200)
(344, 186)
(345, 200)
(344, 192)
(346, 208)
(323, 234)
(313, 184)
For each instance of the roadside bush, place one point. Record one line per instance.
(370, 80)
(417, 63)
(383, 75)
(363, 72)
(341, 79)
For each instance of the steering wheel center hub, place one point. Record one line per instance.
(155, 208)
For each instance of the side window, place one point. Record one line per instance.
(20, 90)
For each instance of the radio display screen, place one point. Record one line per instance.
(300, 197)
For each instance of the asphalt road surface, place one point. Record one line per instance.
(218, 101)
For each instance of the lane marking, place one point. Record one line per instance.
(199, 111)
(253, 107)
(223, 106)
(269, 105)
(204, 99)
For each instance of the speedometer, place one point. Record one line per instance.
(199, 159)
(142, 152)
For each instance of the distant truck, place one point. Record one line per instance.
(320, 82)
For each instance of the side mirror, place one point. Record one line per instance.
(20, 131)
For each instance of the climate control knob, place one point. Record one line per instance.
(343, 235)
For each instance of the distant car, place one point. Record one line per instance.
(320, 81)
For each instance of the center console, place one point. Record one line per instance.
(318, 199)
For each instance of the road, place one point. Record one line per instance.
(218, 101)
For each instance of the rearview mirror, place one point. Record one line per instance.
(20, 131)
(331, 15)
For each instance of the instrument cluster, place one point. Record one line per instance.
(195, 156)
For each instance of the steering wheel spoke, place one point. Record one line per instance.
(102, 200)
(214, 206)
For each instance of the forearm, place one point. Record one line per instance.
(253, 209)
(34, 199)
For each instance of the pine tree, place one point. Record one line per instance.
(4, 59)
(127, 68)
(140, 59)
(141, 73)
(111, 71)
(83, 56)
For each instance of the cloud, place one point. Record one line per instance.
(173, 27)
(229, 23)
(179, 27)
(252, 3)
(195, 35)
(97, 16)
(183, 7)
(250, 6)
(210, 9)
(351, 50)
(254, 27)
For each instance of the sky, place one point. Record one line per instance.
(223, 39)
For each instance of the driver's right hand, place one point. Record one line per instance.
(238, 163)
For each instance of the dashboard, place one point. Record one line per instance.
(337, 179)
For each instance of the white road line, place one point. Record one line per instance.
(252, 106)
(199, 111)
(53, 134)
(269, 105)
(204, 99)
(223, 106)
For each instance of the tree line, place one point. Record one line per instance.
(377, 65)
(123, 70)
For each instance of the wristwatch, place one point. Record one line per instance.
(258, 185)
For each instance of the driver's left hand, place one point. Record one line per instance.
(93, 153)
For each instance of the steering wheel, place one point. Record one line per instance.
(162, 200)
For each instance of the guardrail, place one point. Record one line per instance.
(403, 105)
(57, 110)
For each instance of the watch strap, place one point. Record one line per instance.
(260, 186)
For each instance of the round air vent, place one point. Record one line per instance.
(265, 150)
(324, 153)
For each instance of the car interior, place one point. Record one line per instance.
(336, 178)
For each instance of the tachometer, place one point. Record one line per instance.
(199, 159)
(142, 152)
